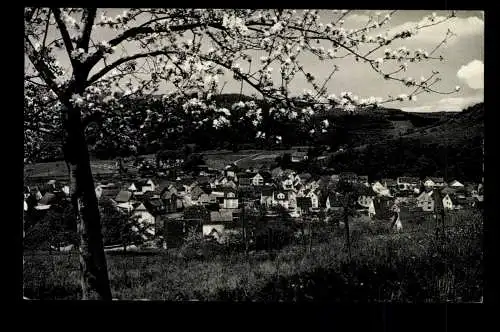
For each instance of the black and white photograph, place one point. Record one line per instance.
(253, 155)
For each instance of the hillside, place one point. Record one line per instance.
(449, 147)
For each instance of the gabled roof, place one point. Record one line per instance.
(140, 207)
(47, 199)
(123, 196)
(456, 183)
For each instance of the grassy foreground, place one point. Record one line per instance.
(411, 266)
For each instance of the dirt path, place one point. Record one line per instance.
(251, 156)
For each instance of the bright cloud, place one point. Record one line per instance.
(452, 104)
(472, 74)
(461, 27)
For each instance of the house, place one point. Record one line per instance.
(46, 201)
(432, 182)
(132, 188)
(304, 205)
(217, 225)
(196, 192)
(447, 202)
(156, 206)
(456, 184)
(98, 192)
(300, 189)
(214, 230)
(333, 202)
(365, 196)
(123, 196)
(231, 170)
(281, 198)
(425, 201)
(205, 199)
(407, 183)
(439, 181)
(145, 219)
(230, 199)
(27, 192)
(266, 196)
(124, 200)
(258, 180)
(287, 184)
(172, 202)
(299, 156)
(379, 189)
(314, 198)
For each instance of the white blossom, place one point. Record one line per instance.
(402, 97)
(326, 123)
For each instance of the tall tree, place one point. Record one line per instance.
(186, 50)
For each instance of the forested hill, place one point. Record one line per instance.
(379, 142)
(451, 147)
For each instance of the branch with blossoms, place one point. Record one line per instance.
(282, 35)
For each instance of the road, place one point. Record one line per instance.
(251, 157)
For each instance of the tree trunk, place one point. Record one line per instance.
(346, 224)
(94, 273)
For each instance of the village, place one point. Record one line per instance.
(227, 193)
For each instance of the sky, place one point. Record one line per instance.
(463, 64)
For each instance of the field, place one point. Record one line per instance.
(58, 169)
(411, 266)
(244, 158)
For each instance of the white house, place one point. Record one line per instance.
(429, 183)
(215, 230)
(145, 219)
(132, 187)
(456, 184)
(258, 180)
(447, 202)
(280, 198)
(287, 184)
(230, 200)
(314, 199)
(379, 189)
(425, 201)
(98, 192)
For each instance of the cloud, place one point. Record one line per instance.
(356, 19)
(461, 27)
(451, 104)
(472, 74)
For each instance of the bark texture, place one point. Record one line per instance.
(94, 273)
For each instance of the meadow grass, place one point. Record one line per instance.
(411, 266)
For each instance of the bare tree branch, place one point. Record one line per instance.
(64, 32)
(88, 19)
(42, 68)
(46, 28)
